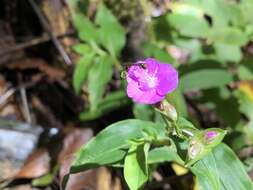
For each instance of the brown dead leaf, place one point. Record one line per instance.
(82, 180)
(8, 169)
(96, 179)
(36, 165)
(72, 142)
(41, 65)
(105, 181)
(58, 16)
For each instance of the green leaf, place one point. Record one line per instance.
(236, 15)
(245, 73)
(205, 79)
(176, 98)
(81, 71)
(222, 165)
(111, 33)
(186, 126)
(207, 173)
(82, 49)
(135, 166)
(109, 145)
(47, 179)
(151, 50)
(227, 52)
(86, 29)
(99, 75)
(146, 112)
(110, 103)
(246, 7)
(244, 95)
(164, 154)
(189, 25)
(143, 112)
(43, 180)
(218, 10)
(227, 35)
(222, 12)
(187, 9)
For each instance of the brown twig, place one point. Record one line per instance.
(44, 38)
(46, 26)
(25, 105)
(13, 90)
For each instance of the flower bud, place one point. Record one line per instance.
(202, 143)
(195, 149)
(212, 136)
(167, 110)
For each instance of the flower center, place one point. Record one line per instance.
(148, 81)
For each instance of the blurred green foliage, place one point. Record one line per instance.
(101, 42)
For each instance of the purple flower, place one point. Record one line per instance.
(149, 81)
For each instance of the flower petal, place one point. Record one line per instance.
(133, 90)
(134, 73)
(168, 79)
(152, 65)
(143, 97)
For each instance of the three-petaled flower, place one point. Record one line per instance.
(149, 81)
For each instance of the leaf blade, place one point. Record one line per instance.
(135, 166)
(205, 79)
(81, 71)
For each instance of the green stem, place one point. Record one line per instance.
(160, 142)
(178, 130)
(96, 49)
(187, 132)
(117, 64)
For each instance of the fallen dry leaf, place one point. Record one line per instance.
(36, 165)
(58, 16)
(72, 142)
(105, 180)
(8, 169)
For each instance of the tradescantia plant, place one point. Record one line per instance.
(137, 145)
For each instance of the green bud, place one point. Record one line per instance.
(202, 143)
(213, 136)
(165, 108)
(195, 149)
